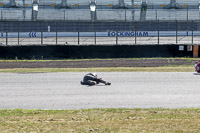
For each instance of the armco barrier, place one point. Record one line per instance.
(99, 34)
(80, 52)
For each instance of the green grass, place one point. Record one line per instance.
(183, 68)
(100, 120)
(43, 60)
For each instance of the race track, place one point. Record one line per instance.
(128, 90)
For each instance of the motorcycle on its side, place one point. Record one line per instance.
(197, 67)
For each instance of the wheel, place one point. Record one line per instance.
(107, 83)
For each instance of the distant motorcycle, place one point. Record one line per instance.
(197, 67)
(92, 79)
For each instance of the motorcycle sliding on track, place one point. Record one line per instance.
(92, 79)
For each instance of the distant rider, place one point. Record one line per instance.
(92, 79)
(197, 67)
(196, 64)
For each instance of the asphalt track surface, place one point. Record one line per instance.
(128, 90)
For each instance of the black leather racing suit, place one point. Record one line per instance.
(90, 79)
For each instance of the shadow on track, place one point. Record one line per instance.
(196, 74)
(99, 85)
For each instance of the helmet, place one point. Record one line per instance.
(94, 74)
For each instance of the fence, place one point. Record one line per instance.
(100, 33)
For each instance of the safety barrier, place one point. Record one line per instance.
(100, 33)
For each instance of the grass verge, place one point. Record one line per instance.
(46, 60)
(102, 69)
(100, 120)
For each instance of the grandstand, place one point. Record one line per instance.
(103, 10)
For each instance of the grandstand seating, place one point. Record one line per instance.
(188, 2)
(107, 10)
(102, 15)
(158, 2)
(4, 2)
(128, 3)
(50, 2)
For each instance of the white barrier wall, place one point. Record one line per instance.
(77, 14)
(151, 14)
(181, 15)
(136, 14)
(166, 15)
(48, 14)
(194, 14)
(118, 15)
(101, 34)
(19, 15)
(111, 15)
(129, 15)
(173, 14)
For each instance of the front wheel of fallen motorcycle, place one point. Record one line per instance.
(107, 83)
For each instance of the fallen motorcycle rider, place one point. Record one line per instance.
(92, 79)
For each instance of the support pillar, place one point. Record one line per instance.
(93, 11)
(195, 51)
(64, 3)
(133, 14)
(93, 15)
(121, 4)
(35, 10)
(172, 3)
(133, 11)
(143, 11)
(12, 3)
(132, 3)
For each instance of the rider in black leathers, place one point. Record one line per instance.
(92, 79)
